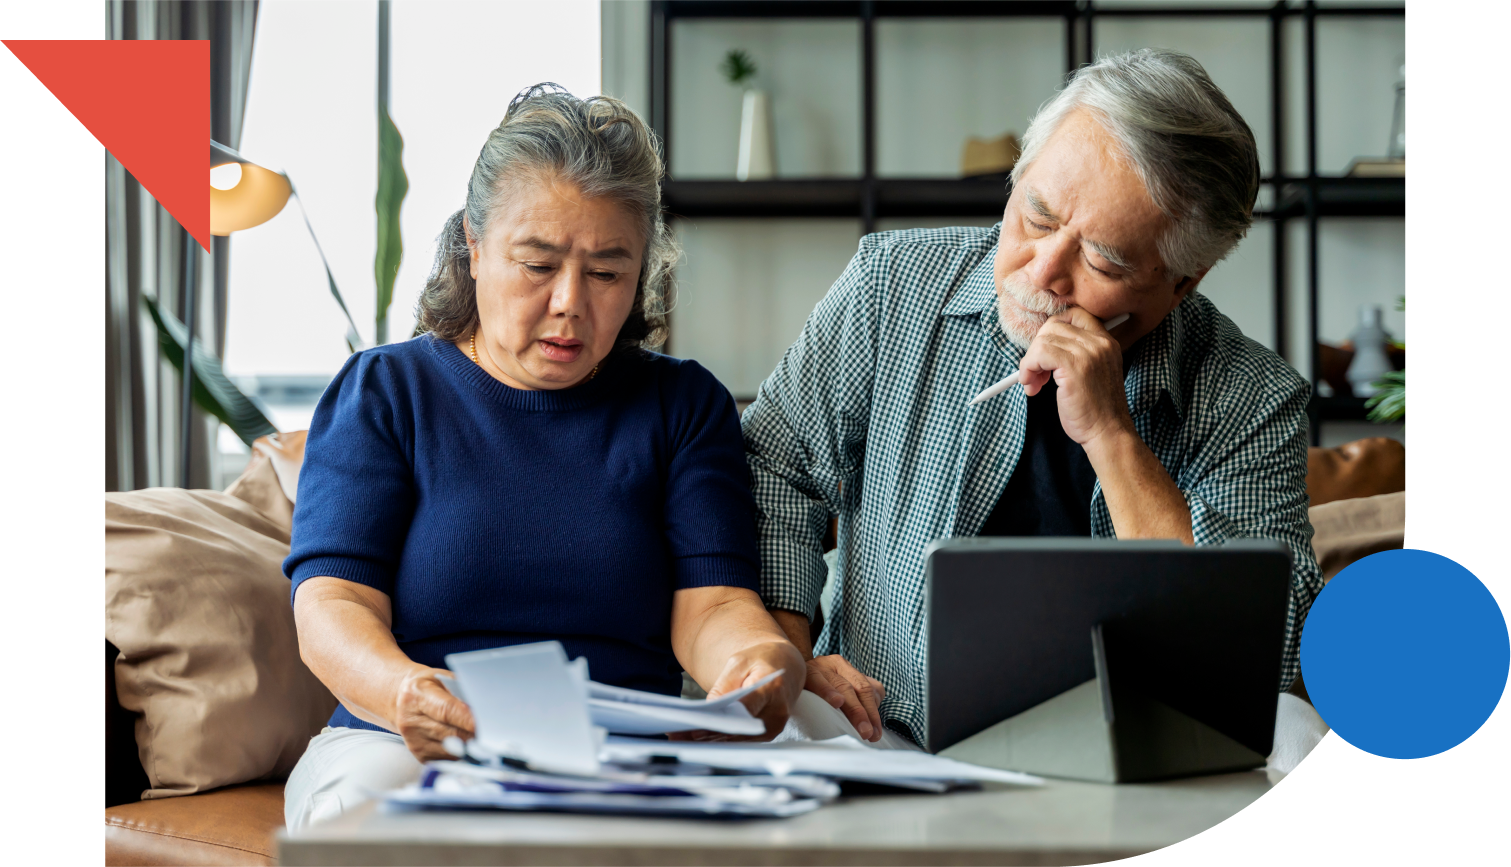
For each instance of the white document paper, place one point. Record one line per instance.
(530, 704)
(843, 758)
(633, 712)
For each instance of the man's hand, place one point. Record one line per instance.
(426, 714)
(772, 703)
(855, 694)
(835, 680)
(1087, 365)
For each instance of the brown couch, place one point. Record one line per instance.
(236, 824)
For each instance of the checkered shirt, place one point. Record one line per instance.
(866, 418)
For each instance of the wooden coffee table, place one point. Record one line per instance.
(1060, 823)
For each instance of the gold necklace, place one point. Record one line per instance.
(472, 350)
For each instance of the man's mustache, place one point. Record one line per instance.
(1032, 299)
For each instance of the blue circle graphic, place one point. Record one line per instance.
(1405, 654)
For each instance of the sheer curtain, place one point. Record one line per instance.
(148, 253)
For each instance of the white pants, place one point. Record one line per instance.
(342, 768)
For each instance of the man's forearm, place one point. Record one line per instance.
(1144, 502)
(797, 628)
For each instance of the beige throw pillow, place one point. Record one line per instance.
(1349, 530)
(196, 600)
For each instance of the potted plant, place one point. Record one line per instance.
(757, 157)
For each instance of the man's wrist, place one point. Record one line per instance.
(796, 626)
(1113, 444)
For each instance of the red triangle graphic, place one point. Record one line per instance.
(148, 102)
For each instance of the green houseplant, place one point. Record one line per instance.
(1388, 403)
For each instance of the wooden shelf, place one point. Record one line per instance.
(1343, 197)
(1338, 408)
(881, 8)
(837, 197)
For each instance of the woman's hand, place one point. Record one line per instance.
(773, 702)
(725, 639)
(425, 714)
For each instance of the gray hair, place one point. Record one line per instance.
(1194, 153)
(599, 146)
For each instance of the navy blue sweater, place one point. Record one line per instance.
(494, 516)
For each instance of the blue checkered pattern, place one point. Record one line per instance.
(866, 418)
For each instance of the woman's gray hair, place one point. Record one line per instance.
(599, 146)
(1190, 147)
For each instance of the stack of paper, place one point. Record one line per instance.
(470, 786)
(543, 743)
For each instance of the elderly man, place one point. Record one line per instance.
(1135, 180)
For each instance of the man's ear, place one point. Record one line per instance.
(1186, 286)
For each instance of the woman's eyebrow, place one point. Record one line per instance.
(548, 247)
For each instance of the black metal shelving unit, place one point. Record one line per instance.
(1310, 197)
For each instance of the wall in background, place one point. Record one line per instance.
(626, 48)
(811, 69)
(746, 287)
(1235, 52)
(1360, 261)
(940, 81)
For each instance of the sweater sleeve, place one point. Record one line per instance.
(356, 488)
(710, 515)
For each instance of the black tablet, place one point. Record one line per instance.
(1015, 622)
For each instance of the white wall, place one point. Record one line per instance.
(746, 287)
(627, 52)
(1360, 261)
(940, 81)
(1358, 61)
(810, 68)
(1235, 52)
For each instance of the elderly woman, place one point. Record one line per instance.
(525, 469)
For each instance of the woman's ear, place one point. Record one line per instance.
(472, 247)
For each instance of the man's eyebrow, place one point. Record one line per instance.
(1111, 254)
(1038, 205)
(548, 247)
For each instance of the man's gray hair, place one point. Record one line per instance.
(1194, 153)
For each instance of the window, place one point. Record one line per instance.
(311, 112)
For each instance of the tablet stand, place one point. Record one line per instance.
(1108, 730)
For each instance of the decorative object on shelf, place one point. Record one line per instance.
(1394, 163)
(1371, 358)
(757, 157)
(1388, 403)
(989, 156)
(1397, 147)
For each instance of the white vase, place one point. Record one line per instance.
(1371, 358)
(757, 160)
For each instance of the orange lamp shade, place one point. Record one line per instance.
(254, 199)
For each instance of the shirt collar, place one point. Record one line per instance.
(978, 291)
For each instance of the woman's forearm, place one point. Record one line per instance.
(346, 639)
(710, 625)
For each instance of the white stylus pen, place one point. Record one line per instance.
(1011, 379)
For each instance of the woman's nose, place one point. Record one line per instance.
(569, 293)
